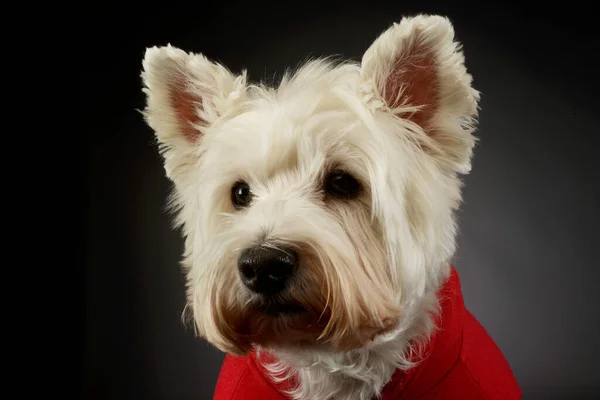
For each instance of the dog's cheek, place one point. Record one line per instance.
(353, 341)
(236, 342)
(229, 341)
(364, 335)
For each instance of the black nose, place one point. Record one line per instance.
(266, 270)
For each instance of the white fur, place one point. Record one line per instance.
(280, 140)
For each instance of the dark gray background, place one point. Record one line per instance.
(528, 253)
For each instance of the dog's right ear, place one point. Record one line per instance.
(186, 94)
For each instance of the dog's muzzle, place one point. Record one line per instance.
(266, 270)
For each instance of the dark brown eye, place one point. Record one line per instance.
(241, 195)
(342, 185)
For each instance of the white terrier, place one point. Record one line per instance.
(319, 220)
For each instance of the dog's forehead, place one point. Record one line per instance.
(304, 132)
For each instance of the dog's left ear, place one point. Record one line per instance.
(417, 70)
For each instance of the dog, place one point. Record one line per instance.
(319, 219)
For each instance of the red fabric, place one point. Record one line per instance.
(462, 362)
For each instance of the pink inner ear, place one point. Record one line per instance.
(414, 74)
(184, 104)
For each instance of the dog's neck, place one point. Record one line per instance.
(388, 365)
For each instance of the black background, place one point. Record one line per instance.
(528, 254)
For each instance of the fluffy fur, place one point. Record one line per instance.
(401, 122)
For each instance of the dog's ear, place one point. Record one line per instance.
(186, 94)
(416, 69)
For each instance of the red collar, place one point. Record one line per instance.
(442, 351)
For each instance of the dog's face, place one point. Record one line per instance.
(320, 212)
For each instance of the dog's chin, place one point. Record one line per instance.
(291, 327)
(277, 324)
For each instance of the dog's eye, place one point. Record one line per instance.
(342, 185)
(241, 195)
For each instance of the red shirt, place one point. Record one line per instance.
(463, 362)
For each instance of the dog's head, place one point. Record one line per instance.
(319, 212)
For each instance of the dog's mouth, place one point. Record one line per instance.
(277, 309)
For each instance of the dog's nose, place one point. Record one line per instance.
(266, 270)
